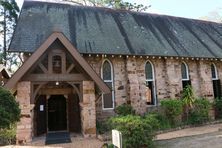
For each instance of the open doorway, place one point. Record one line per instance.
(57, 114)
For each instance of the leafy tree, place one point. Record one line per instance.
(115, 4)
(9, 14)
(9, 109)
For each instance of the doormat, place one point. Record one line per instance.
(57, 137)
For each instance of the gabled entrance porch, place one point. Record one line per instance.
(56, 76)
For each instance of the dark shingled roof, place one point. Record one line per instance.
(101, 30)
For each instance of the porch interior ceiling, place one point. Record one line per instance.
(94, 30)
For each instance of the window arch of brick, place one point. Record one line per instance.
(107, 76)
(150, 84)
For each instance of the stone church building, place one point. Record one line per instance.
(81, 62)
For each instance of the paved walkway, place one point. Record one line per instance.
(208, 140)
(181, 138)
(190, 132)
(77, 142)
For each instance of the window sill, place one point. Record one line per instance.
(151, 105)
(108, 109)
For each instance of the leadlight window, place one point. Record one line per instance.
(216, 82)
(185, 75)
(150, 84)
(107, 76)
(214, 72)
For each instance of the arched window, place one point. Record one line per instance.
(150, 84)
(216, 81)
(107, 76)
(185, 75)
(214, 72)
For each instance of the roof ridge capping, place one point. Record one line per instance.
(34, 2)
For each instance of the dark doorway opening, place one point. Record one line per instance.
(57, 120)
(40, 115)
(74, 113)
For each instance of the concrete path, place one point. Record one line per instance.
(208, 140)
(190, 132)
(208, 136)
(203, 137)
(77, 142)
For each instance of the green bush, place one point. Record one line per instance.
(200, 112)
(102, 127)
(125, 109)
(172, 108)
(9, 109)
(152, 120)
(8, 136)
(188, 99)
(136, 130)
(164, 122)
(218, 108)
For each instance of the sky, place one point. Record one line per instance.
(183, 8)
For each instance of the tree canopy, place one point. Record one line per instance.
(115, 4)
(9, 109)
(8, 17)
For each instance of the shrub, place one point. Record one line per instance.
(188, 99)
(188, 96)
(102, 127)
(8, 136)
(136, 131)
(152, 120)
(125, 109)
(172, 108)
(200, 112)
(218, 108)
(164, 122)
(9, 109)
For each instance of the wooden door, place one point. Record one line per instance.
(57, 120)
(40, 111)
(74, 113)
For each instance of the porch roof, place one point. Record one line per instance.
(42, 49)
(94, 30)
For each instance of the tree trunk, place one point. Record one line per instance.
(4, 38)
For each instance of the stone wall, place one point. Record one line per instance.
(173, 78)
(129, 79)
(160, 74)
(25, 125)
(136, 84)
(205, 79)
(88, 110)
(194, 76)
